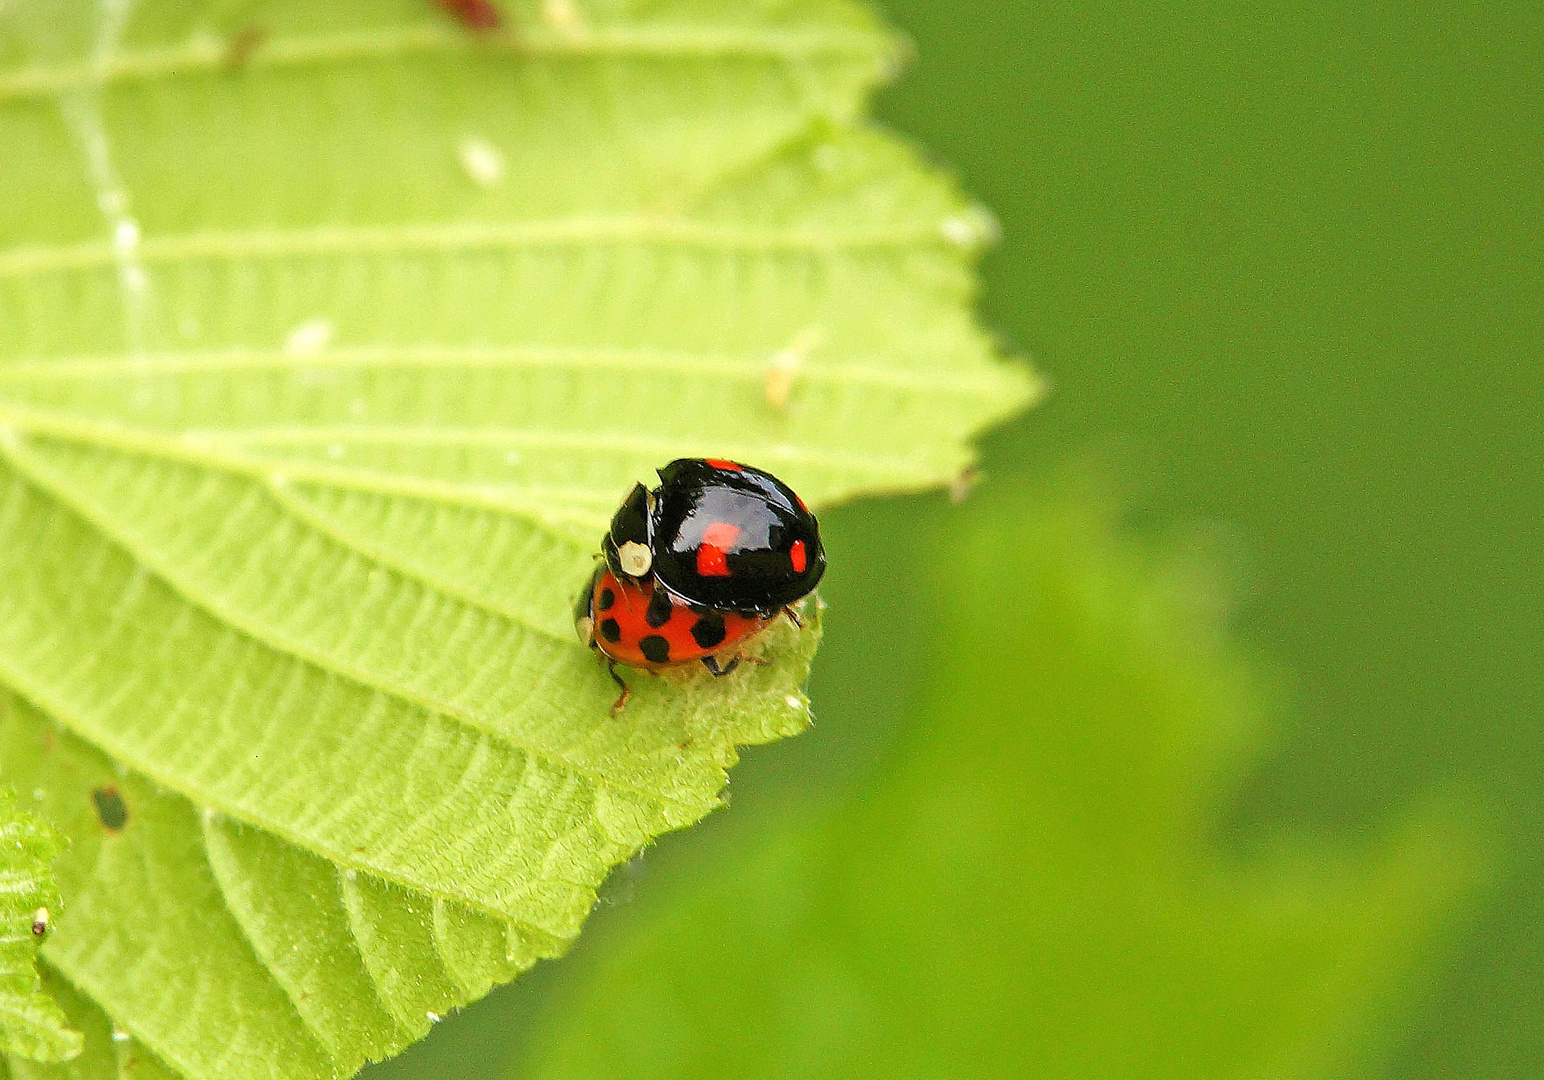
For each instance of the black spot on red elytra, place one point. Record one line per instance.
(709, 630)
(659, 610)
(111, 810)
(655, 649)
(610, 630)
(607, 598)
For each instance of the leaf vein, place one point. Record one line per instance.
(35, 474)
(987, 383)
(304, 512)
(458, 237)
(530, 501)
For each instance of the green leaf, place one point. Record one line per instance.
(330, 333)
(31, 1023)
(1030, 885)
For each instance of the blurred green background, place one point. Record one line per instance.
(1283, 265)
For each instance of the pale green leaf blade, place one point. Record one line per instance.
(330, 333)
(31, 1023)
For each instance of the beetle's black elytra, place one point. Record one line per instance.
(721, 535)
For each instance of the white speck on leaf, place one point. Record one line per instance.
(482, 162)
(309, 337)
(562, 15)
(970, 228)
(204, 42)
(784, 366)
(126, 234)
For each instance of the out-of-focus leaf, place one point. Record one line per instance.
(330, 332)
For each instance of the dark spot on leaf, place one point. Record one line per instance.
(243, 43)
(480, 15)
(111, 810)
(655, 649)
(660, 609)
(610, 630)
(709, 631)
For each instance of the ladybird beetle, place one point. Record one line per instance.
(698, 565)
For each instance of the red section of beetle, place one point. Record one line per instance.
(720, 463)
(797, 556)
(717, 539)
(628, 609)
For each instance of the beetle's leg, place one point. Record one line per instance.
(793, 616)
(616, 706)
(711, 663)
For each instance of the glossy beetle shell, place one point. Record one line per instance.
(721, 535)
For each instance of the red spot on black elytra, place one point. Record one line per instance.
(797, 556)
(712, 559)
(720, 463)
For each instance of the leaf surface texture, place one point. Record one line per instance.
(330, 334)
